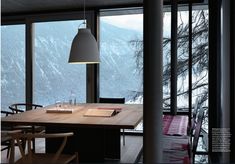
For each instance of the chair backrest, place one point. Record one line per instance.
(22, 107)
(6, 113)
(28, 158)
(197, 130)
(112, 100)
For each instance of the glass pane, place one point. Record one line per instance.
(182, 56)
(121, 51)
(56, 79)
(12, 65)
(200, 57)
(166, 60)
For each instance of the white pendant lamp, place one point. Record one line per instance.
(84, 49)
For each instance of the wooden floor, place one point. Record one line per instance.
(129, 152)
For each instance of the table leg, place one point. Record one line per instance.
(92, 144)
(112, 143)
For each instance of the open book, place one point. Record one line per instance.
(102, 112)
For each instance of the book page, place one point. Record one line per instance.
(60, 110)
(100, 112)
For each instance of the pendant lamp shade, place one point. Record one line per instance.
(84, 48)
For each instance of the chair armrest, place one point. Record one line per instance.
(12, 132)
(6, 112)
(37, 106)
(14, 110)
(45, 135)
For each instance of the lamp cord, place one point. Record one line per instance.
(84, 14)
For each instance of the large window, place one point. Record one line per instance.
(199, 57)
(12, 65)
(121, 64)
(182, 59)
(54, 78)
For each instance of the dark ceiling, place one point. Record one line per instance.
(14, 7)
(25, 7)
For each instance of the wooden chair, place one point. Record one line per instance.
(7, 113)
(22, 107)
(115, 101)
(196, 133)
(5, 142)
(38, 158)
(5, 139)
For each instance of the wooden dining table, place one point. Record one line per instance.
(95, 137)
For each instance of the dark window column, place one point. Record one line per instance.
(92, 69)
(232, 73)
(29, 61)
(220, 55)
(174, 17)
(214, 74)
(153, 67)
(225, 71)
(91, 72)
(225, 62)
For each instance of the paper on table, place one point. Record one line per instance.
(98, 112)
(110, 108)
(60, 110)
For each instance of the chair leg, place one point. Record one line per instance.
(77, 160)
(193, 158)
(123, 137)
(8, 151)
(33, 140)
(12, 153)
(23, 142)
